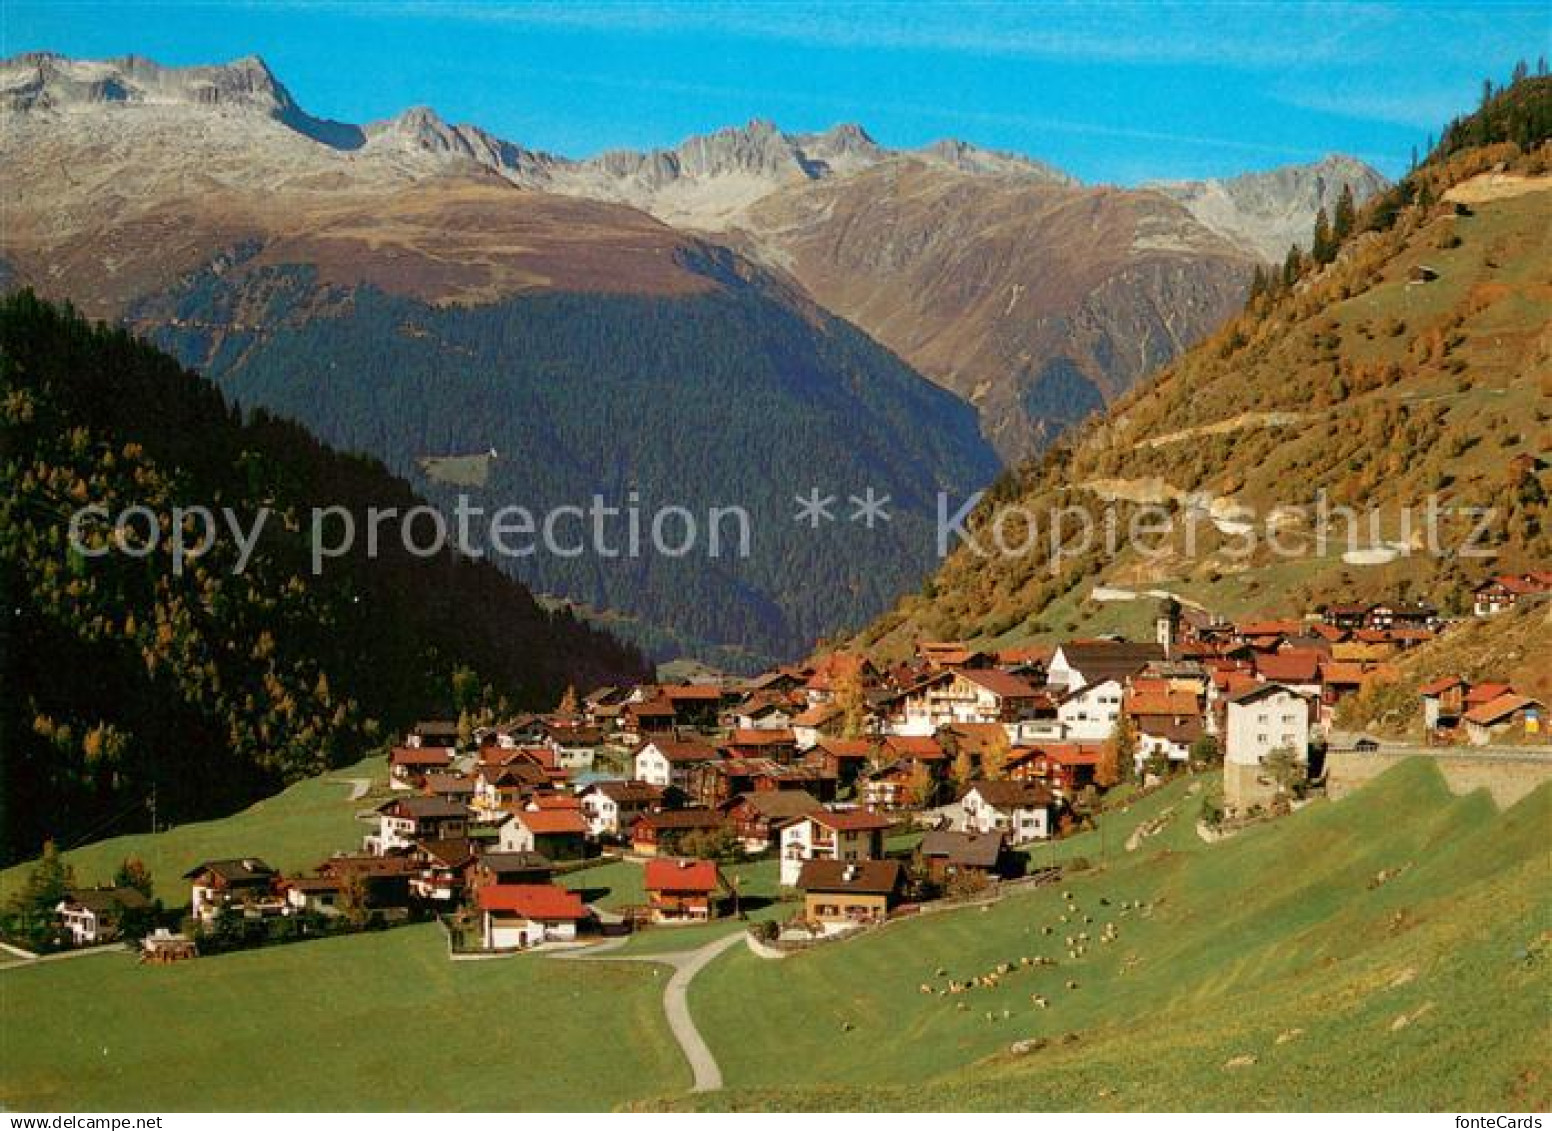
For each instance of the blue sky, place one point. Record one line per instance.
(1111, 92)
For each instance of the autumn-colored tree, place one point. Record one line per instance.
(568, 702)
(851, 698)
(995, 755)
(133, 873)
(920, 785)
(963, 770)
(353, 899)
(1116, 753)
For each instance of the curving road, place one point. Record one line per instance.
(676, 1005)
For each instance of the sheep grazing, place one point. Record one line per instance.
(940, 973)
(1067, 895)
(846, 1026)
(1039, 1001)
(960, 1005)
(1003, 968)
(924, 988)
(1072, 985)
(1026, 961)
(1047, 930)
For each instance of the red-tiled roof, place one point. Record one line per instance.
(533, 901)
(420, 756)
(1073, 753)
(1270, 628)
(1441, 685)
(1499, 709)
(1481, 693)
(679, 750)
(851, 821)
(759, 737)
(1297, 665)
(551, 821)
(1002, 684)
(682, 875)
(920, 747)
(694, 693)
(847, 747)
(1163, 703)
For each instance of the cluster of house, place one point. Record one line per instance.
(815, 763)
(1509, 590)
(1455, 708)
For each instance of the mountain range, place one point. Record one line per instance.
(1300, 451)
(426, 292)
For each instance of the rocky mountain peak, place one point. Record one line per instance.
(1268, 211)
(974, 159)
(46, 81)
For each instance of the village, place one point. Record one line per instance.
(875, 790)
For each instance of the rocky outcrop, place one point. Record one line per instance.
(1269, 212)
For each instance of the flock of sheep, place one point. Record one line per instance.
(1076, 945)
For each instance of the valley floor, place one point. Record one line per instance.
(1389, 951)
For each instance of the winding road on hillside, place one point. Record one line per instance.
(676, 1000)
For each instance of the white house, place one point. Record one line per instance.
(574, 748)
(960, 695)
(93, 915)
(1167, 739)
(557, 833)
(611, 807)
(667, 762)
(1020, 810)
(1266, 718)
(850, 836)
(517, 916)
(404, 820)
(811, 726)
(216, 884)
(764, 716)
(1090, 713)
(1080, 663)
(1258, 721)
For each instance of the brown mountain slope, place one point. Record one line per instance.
(1036, 301)
(1416, 369)
(997, 276)
(103, 206)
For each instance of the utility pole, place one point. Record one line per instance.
(152, 804)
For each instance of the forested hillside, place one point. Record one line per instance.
(1404, 361)
(743, 395)
(122, 679)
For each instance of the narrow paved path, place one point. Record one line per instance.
(676, 1003)
(676, 1000)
